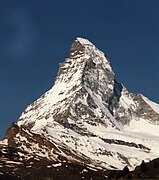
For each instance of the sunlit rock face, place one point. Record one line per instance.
(86, 117)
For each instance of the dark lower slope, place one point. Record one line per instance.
(28, 156)
(148, 170)
(46, 171)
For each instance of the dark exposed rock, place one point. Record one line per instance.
(130, 144)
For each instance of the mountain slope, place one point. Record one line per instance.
(25, 155)
(91, 115)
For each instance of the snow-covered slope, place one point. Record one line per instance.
(93, 115)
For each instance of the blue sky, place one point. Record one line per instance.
(35, 35)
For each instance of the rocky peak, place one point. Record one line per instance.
(82, 90)
(86, 65)
(80, 47)
(89, 112)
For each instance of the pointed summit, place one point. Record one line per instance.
(77, 49)
(83, 56)
(80, 47)
(84, 78)
(84, 41)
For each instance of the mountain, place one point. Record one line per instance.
(87, 123)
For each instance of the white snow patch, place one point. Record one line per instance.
(143, 128)
(84, 170)
(4, 142)
(28, 166)
(125, 100)
(12, 162)
(57, 165)
(84, 41)
(153, 105)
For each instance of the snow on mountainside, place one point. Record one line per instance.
(92, 114)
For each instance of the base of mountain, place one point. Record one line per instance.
(42, 171)
(148, 170)
(18, 163)
(69, 171)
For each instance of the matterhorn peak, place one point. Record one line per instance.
(84, 54)
(87, 117)
(79, 46)
(83, 47)
(84, 78)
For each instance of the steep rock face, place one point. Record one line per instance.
(92, 114)
(83, 87)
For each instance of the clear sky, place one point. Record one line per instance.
(35, 36)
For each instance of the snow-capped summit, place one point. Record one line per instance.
(84, 41)
(81, 82)
(88, 112)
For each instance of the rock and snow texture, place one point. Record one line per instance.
(92, 114)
